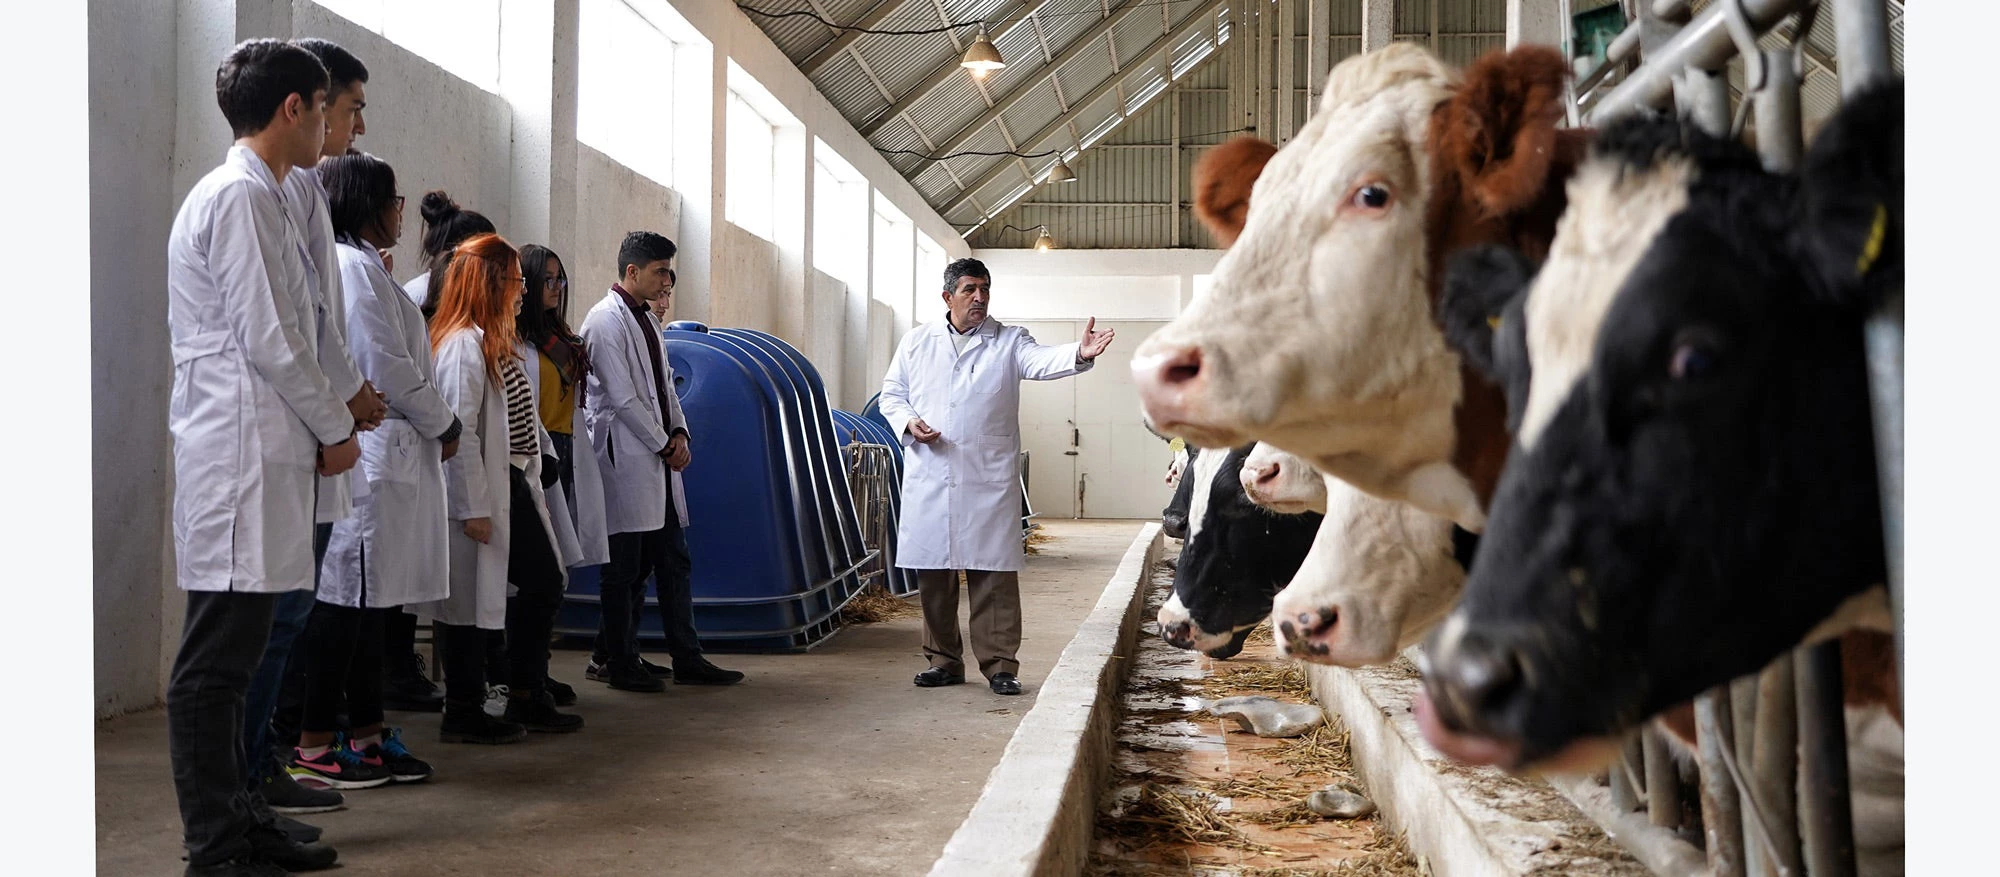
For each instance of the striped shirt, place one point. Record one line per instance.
(521, 438)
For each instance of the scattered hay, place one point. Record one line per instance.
(1323, 750)
(1261, 635)
(1285, 680)
(1161, 815)
(874, 604)
(1269, 788)
(1386, 856)
(1037, 537)
(1288, 816)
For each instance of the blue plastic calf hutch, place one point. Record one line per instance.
(773, 532)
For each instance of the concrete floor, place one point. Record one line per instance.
(825, 763)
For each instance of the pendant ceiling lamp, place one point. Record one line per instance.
(1045, 243)
(980, 57)
(1060, 172)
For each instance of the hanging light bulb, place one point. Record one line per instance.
(1060, 172)
(980, 57)
(1045, 243)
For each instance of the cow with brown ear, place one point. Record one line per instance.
(1320, 334)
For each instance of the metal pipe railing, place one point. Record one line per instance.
(1775, 765)
(1663, 782)
(1704, 44)
(1826, 817)
(1721, 808)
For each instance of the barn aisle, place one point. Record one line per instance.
(825, 763)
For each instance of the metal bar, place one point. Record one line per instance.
(1704, 44)
(1287, 70)
(846, 38)
(1623, 795)
(1776, 756)
(1084, 42)
(1743, 733)
(1779, 131)
(1721, 809)
(945, 70)
(1671, 9)
(1260, 26)
(1663, 784)
(1825, 818)
(1615, 54)
(1174, 159)
(1706, 96)
(1158, 46)
(1861, 40)
(1317, 51)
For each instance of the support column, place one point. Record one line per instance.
(1535, 22)
(1378, 23)
(1287, 14)
(792, 152)
(1318, 51)
(701, 82)
(538, 78)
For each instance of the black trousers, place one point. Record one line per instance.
(399, 644)
(222, 641)
(537, 576)
(663, 554)
(343, 654)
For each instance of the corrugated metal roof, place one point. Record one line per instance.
(847, 88)
(1037, 107)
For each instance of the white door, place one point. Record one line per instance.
(1090, 454)
(1048, 429)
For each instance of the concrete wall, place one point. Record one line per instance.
(1106, 284)
(827, 333)
(612, 200)
(746, 283)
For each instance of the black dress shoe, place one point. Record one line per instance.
(1004, 683)
(563, 693)
(245, 867)
(629, 676)
(273, 846)
(657, 670)
(936, 677)
(539, 713)
(698, 671)
(295, 829)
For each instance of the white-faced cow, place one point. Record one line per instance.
(1237, 555)
(1694, 487)
(1318, 334)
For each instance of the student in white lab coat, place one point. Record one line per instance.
(272, 712)
(641, 440)
(390, 553)
(501, 533)
(252, 416)
(953, 396)
(446, 225)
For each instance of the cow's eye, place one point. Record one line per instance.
(1373, 196)
(1692, 360)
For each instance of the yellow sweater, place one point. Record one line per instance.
(558, 408)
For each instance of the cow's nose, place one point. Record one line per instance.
(1477, 680)
(1167, 380)
(1309, 635)
(1179, 634)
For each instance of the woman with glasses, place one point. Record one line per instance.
(576, 502)
(389, 553)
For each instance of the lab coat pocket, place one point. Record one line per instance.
(399, 453)
(992, 459)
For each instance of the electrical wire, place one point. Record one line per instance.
(1166, 142)
(995, 25)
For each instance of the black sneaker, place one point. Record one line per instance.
(938, 677)
(630, 676)
(562, 692)
(405, 688)
(250, 866)
(403, 767)
(597, 671)
(698, 671)
(285, 795)
(295, 829)
(273, 846)
(657, 670)
(473, 725)
(537, 712)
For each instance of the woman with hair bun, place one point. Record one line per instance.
(446, 225)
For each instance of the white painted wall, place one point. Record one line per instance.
(1106, 284)
(746, 282)
(613, 199)
(827, 333)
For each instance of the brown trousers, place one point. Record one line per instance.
(996, 619)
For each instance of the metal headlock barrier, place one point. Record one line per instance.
(1772, 760)
(871, 479)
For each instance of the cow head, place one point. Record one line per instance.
(1237, 556)
(1693, 489)
(1317, 334)
(1378, 576)
(1174, 518)
(1281, 482)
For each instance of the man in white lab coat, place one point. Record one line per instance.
(953, 396)
(253, 416)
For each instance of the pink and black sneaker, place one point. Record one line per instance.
(339, 767)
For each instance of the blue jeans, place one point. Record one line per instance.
(288, 621)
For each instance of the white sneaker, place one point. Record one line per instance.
(496, 700)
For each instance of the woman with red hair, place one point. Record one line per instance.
(500, 529)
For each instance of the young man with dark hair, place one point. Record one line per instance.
(254, 419)
(641, 441)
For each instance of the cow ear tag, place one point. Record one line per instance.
(1872, 250)
(1493, 323)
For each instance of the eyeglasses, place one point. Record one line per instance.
(399, 203)
(557, 282)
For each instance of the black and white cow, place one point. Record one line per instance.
(1693, 485)
(1237, 556)
(1174, 518)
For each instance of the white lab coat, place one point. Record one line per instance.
(392, 551)
(250, 406)
(476, 487)
(624, 419)
(962, 493)
(581, 537)
(306, 199)
(418, 289)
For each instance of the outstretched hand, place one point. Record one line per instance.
(1094, 341)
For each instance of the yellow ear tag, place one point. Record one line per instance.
(1873, 249)
(1493, 323)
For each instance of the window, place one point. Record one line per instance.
(930, 264)
(894, 258)
(750, 163)
(625, 88)
(462, 37)
(840, 203)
